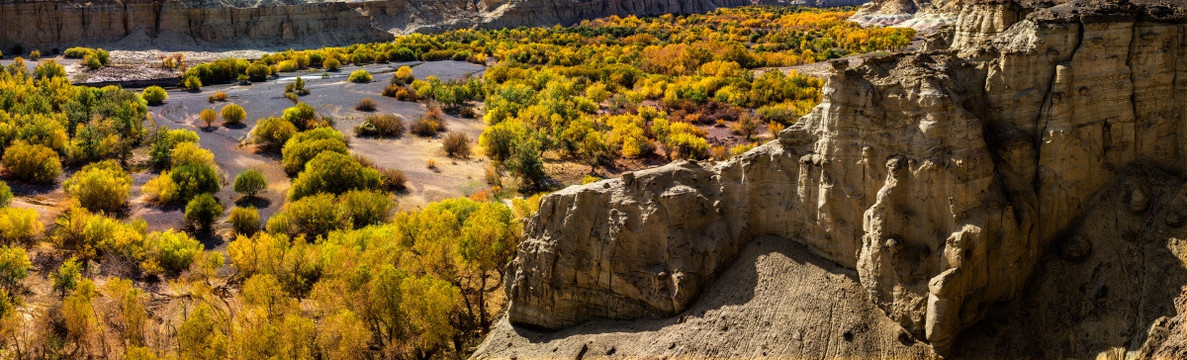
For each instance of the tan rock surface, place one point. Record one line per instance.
(941, 178)
(754, 311)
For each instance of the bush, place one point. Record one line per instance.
(312, 216)
(335, 173)
(306, 145)
(426, 127)
(170, 252)
(35, 54)
(403, 76)
(217, 97)
(202, 211)
(190, 153)
(48, 69)
(331, 64)
(386, 125)
(272, 133)
(208, 116)
(366, 208)
(366, 104)
(66, 277)
(301, 115)
(14, 267)
(456, 145)
(192, 82)
(394, 179)
(185, 182)
(18, 224)
(5, 195)
(360, 76)
(234, 114)
(101, 186)
(244, 220)
(163, 142)
(250, 182)
(32, 163)
(258, 72)
(155, 95)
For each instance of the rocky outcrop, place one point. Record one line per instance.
(923, 15)
(942, 178)
(197, 24)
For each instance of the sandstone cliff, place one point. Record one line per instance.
(941, 178)
(205, 24)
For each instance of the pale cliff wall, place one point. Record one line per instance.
(174, 24)
(941, 178)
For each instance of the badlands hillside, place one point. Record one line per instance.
(1018, 193)
(284, 24)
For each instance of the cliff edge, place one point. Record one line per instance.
(943, 179)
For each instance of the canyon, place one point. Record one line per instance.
(206, 25)
(1019, 192)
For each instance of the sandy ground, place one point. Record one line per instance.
(754, 310)
(336, 97)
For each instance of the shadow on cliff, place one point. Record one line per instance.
(734, 286)
(1104, 286)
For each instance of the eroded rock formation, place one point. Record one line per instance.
(942, 178)
(205, 24)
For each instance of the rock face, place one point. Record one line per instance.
(941, 178)
(203, 24)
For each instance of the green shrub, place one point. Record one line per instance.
(5, 194)
(403, 76)
(163, 142)
(456, 145)
(32, 163)
(66, 277)
(208, 116)
(202, 211)
(191, 180)
(18, 224)
(258, 72)
(335, 173)
(272, 133)
(385, 125)
(101, 186)
(366, 208)
(308, 144)
(301, 115)
(331, 64)
(234, 114)
(312, 216)
(360, 76)
(170, 252)
(49, 69)
(190, 153)
(192, 82)
(250, 182)
(155, 95)
(244, 220)
(14, 267)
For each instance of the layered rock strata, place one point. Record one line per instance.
(187, 24)
(940, 177)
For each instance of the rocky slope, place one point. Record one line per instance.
(205, 24)
(941, 178)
